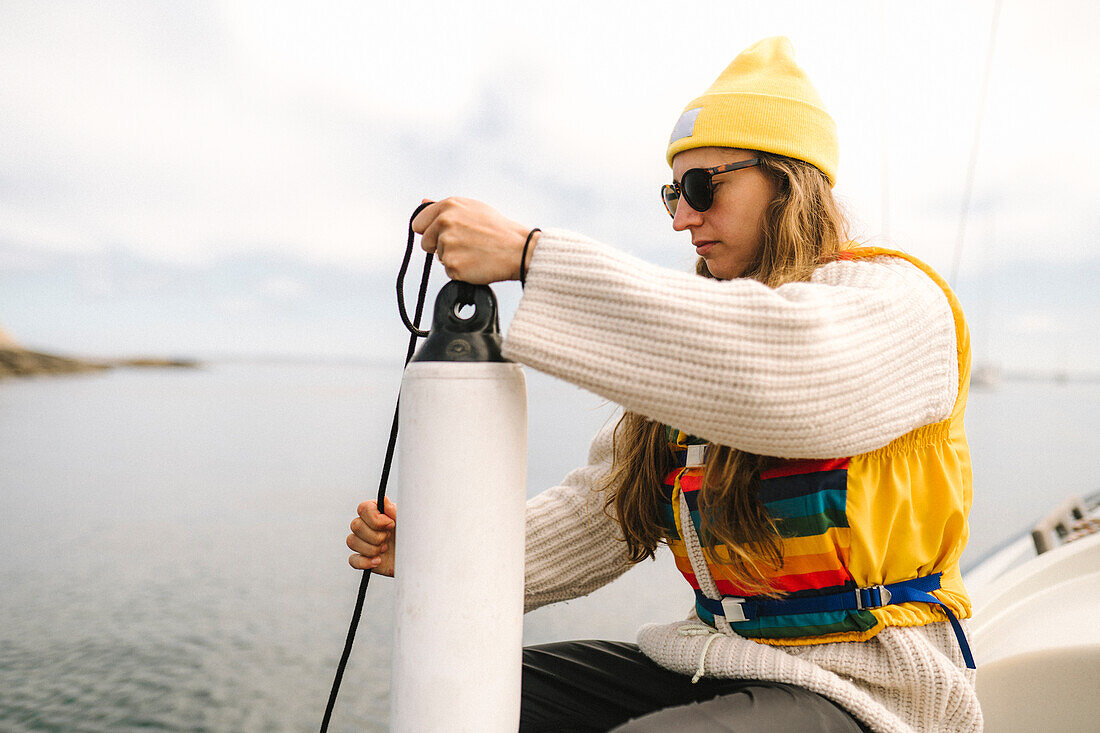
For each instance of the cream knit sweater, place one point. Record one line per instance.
(838, 366)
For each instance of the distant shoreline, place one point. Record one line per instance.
(16, 362)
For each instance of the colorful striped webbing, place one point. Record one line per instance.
(807, 500)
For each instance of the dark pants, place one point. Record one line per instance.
(598, 685)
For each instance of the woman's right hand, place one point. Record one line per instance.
(372, 538)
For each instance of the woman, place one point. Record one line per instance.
(820, 513)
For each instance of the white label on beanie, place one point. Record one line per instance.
(685, 126)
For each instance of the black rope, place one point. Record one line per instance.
(413, 327)
(414, 333)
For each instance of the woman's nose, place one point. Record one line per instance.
(685, 216)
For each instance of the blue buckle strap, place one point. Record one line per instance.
(876, 596)
(916, 590)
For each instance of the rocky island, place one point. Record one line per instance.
(15, 361)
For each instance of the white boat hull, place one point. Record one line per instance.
(1035, 633)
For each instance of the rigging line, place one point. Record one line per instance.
(972, 167)
(883, 108)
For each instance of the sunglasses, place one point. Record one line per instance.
(697, 186)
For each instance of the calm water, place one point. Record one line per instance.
(171, 542)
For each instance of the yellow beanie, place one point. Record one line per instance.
(762, 101)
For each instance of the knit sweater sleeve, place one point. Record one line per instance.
(573, 546)
(837, 366)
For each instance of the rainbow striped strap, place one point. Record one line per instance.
(916, 590)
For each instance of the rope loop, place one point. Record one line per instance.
(413, 325)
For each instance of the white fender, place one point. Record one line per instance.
(462, 467)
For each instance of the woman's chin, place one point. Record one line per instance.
(724, 270)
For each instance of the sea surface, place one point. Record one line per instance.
(172, 540)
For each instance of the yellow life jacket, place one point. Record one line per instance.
(893, 520)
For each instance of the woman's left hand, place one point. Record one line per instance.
(472, 240)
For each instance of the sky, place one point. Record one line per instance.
(236, 178)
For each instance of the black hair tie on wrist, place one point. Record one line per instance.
(523, 258)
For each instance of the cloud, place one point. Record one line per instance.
(189, 131)
(112, 144)
(1039, 322)
(112, 303)
(186, 136)
(284, 288)
(17, 224)
(238, 304)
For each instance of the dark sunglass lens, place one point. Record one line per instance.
(697, 190)
(671, 197)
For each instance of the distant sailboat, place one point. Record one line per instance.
(985, 376)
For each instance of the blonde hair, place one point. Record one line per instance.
(803, 229)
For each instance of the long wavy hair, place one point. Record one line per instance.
(803, 229)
